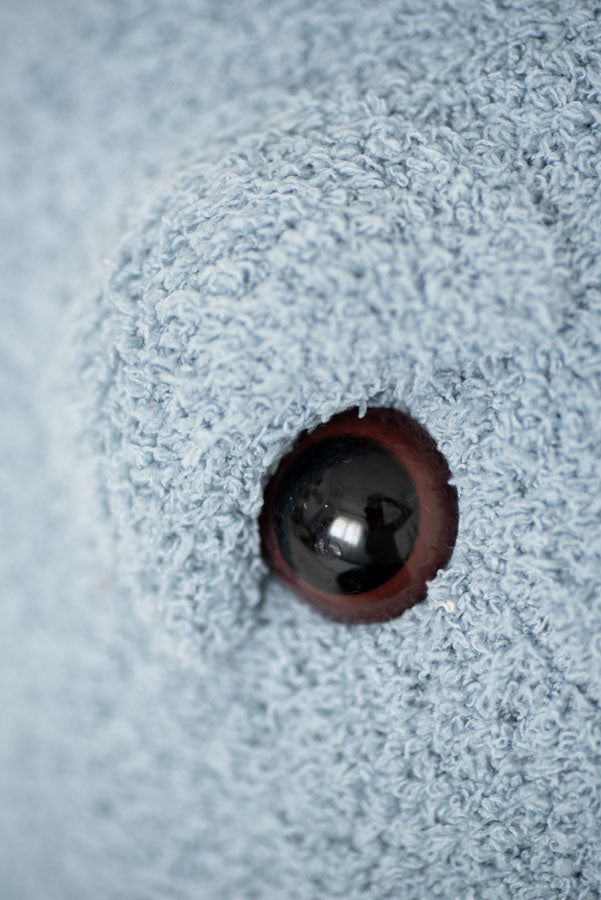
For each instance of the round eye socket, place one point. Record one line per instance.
(359, 516)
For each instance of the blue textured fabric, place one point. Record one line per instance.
(222, 226)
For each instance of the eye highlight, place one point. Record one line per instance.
(359, 515)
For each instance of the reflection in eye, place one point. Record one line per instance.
(348, 530)
(359, 516)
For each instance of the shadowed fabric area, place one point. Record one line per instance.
(221, 225)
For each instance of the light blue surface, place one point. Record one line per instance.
(221, 226)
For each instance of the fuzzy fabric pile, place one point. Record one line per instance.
(222, 224)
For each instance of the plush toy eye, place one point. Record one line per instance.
(359, 516)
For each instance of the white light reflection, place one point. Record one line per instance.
(347, 530)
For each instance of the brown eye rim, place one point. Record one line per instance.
(403, 436)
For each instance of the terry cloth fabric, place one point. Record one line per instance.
(222, 225)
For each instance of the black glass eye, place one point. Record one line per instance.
(360, 515)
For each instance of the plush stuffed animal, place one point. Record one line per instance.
(226, 226)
